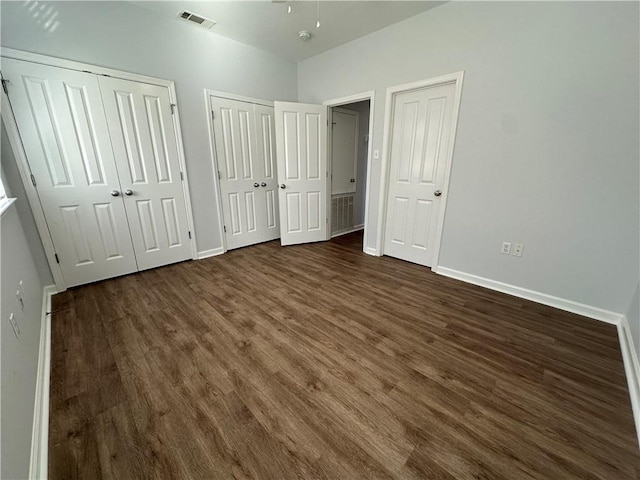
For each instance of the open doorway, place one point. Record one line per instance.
(349, 156)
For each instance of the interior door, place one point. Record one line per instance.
(63, 129)
(301, 145)
(344, 151)
(266, 137)
(146, 155)
(245, 154)
(420, 136)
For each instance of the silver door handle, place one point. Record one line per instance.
(437, 193)
(128, 192)
(283, 186)
(115, 193)
(256, 184)
(263, 184)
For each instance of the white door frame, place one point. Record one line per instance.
(336, 102)
(208, 93)
(456, 78)
(23, 164)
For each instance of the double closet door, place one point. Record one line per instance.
(245, 153)
(104, 158)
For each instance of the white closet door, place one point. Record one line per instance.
(420, 137)
(146, 154)
(244, 141)
(63, 129)
(301, 142)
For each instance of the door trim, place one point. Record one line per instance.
(456, 78)
(208, 93)
(23, 164)
(336, 102)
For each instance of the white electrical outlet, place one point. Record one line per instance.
(14, 324)
(517, 250)
(506, 248)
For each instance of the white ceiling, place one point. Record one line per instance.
(266, 24)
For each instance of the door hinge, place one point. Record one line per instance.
(225, 228)
(181, 177)
(219, 176)
(33, 180)
(213, 115)
(189, 234)
(4, 86)
(57, 259)
(173, 108)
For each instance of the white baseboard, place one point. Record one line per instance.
(40, 432)
(370, 251)
(629, 356)
(210, 253)
(631, 369)
(545, 299)
(355, 228)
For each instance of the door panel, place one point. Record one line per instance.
(420, 135)
(268, 218)
(64, 132)
(243, 134)
(146, 154)
(301, 136)
(344, 151)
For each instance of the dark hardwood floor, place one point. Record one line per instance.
(318, 361)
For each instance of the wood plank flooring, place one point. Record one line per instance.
(318, 362)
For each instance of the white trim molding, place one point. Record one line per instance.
(631, 369)
(240, 98)
(40, 432)
(538, 297)
(371, 251)
(627, 348)
(355, 228)
(336, 102)
(210, 253)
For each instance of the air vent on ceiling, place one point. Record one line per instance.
(197, 19)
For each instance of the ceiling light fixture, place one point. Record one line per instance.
(318, 15)
(304, 35)
(289, 9)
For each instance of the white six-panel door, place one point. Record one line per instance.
(301, 145)
(104, 156)
(64, 132)
(146, 154)
(245, 154)
(420, 135)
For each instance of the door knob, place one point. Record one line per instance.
(283, 186)
(115, 193)
(437, 193)
(128, 192)
(263, 184)
(256, 184)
